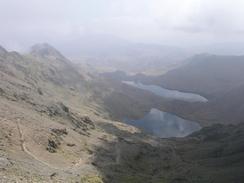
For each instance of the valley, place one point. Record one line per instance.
(164, 125)
(60, 124)
(169, 94)
(121, 91)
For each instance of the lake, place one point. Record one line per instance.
(166, 93)
(164, 125)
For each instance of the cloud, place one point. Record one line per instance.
(163, 21)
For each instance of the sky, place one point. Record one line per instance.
(172, 22)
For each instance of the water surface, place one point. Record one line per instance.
(166, 93)
(164, 125)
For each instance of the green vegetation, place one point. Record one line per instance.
(91, 179)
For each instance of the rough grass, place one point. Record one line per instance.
(91, 179)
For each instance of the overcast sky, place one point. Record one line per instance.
(176, 22)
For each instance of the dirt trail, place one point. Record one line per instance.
(22, 141)
(25, 149)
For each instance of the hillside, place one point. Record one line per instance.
(227, 108)
(219, 78)
(56, 128)
(45, 126)
(209, 75)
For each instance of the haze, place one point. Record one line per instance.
(122, 91)
(182, 23)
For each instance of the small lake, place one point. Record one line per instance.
(166, 93)
(164, 125)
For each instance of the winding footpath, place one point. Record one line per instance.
(25, 149)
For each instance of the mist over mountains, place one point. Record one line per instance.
(121, 91)
(109, 53)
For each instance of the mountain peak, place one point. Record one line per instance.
(3, 51)
(45, 50)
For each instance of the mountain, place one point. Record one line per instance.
(45, 119)
(45, 50)
(218, 78)
(57, 68)
(2, 51)
(227, 108)
(56, 128)
(221, 48)
(209, 75)
(109, 53)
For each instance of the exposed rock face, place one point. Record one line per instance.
(80, 124)
(52, 145)
(4, 163)
(55, 139)
(39, 90)
(1, 91)
(58, 109)
(60, 131)
(70, 144)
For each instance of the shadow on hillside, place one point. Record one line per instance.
(131, 159)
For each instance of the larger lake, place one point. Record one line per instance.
(164, 125)
(169, 94)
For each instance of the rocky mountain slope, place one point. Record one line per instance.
(56, 128)
(44, 118)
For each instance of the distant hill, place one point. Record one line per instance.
(209, 75)
(218, 78)
(109, 53)
(45, 50)
(227, 108)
